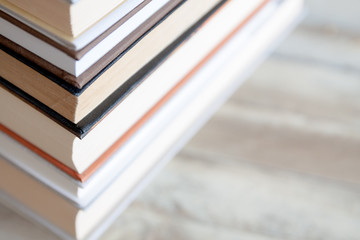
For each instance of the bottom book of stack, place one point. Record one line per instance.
(72, 210)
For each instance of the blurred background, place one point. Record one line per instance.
(280, 160)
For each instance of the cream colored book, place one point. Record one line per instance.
(62, 17)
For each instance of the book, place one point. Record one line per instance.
(79, 154)
(62, 17)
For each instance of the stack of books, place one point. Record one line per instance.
(96, 96)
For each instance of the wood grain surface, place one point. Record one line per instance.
(280, 160)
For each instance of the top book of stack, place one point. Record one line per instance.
(65, 18)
